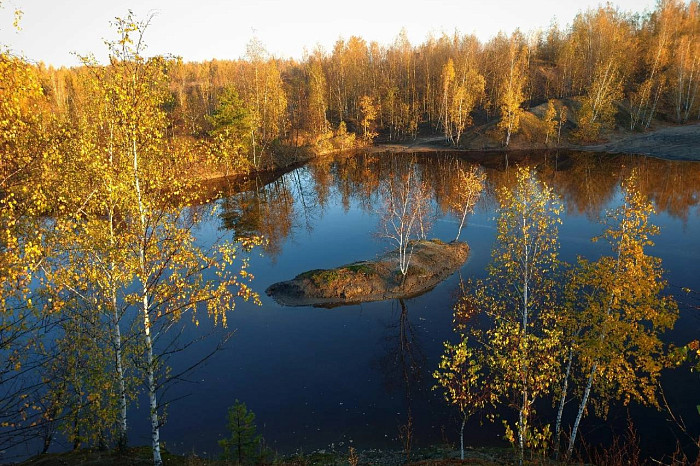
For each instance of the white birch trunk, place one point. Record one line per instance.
(461, 223)
(562, 402)
(150, 369)
(152, 397)
(122, 437)
(581, 409)
(523, 412)
(559, 132)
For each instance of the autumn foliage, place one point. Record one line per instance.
(588, 334)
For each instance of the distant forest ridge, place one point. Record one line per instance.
(607, 69)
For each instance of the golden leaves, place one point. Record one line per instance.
(621, 309)
(511, 88)
(605, 322)
(461, 376)
(519, 348)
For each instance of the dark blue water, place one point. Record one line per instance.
(352, 375)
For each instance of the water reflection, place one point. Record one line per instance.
(316, 376)
(586, 182)
(402, 364)
(269, 210)
(403, 368)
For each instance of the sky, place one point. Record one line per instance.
(52, 31)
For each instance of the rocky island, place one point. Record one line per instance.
(432, 261)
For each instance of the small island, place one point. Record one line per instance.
(432, 261)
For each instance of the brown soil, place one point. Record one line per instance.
(667, 142)
(364, 281)
(671, 143)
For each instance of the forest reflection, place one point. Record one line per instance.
(586, 183)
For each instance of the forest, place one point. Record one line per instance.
(103, 168)
(608, 69)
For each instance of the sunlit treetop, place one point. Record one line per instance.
(287, 29)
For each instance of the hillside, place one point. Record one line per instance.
(663, 140)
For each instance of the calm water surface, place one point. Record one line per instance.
(353, 375)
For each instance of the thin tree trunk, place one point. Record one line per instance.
(652, 112)
(252, 139)
(76, 430)
(47, 443)
(461, 223)
(589, 384)
(524, 411)
(559, 133)
(562, 402)
(461, 437)
(122, 438)
(521, 426)
(152, 398)
(581, 409)
(690, 98)
(679, 89)
(150, 369)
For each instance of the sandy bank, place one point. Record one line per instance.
(671, 142)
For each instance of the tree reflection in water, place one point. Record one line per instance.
(285, 209)
(586, 182)
(403, 367)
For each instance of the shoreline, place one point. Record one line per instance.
(437, 454)
(675, 143)
(680, 142)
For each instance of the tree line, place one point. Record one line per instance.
(608, 68)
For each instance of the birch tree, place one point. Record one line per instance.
(624, 310)
(447, 78)
(469, 187)
(463, 381)
(512, 86)
(561, 121)
(369, 112)
(548, 121)
(168, 267)
(317, 96)
(465, 97)
(684, 69)
(264, 95)
(91, 269)
(404, 217)
(27, 179)
(520, 296)
(598, 105)
(645, 101)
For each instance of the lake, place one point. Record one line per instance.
(353, 375)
